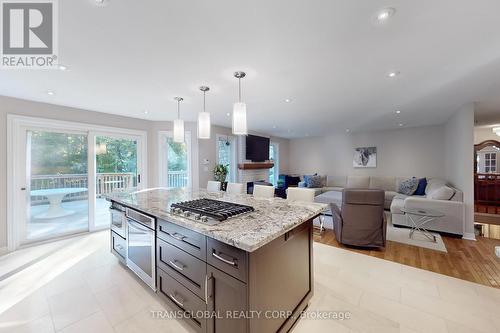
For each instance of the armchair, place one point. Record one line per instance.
(362, 221)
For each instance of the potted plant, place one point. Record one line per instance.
(220, 174)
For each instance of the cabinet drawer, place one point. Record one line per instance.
(227, 258)
(185, 268)
(179, 297)
(118, 246)
(190, 241)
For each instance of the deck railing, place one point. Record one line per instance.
(177, 178)
(105, 183)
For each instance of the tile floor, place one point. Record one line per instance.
(81, 287)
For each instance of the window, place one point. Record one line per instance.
(490, 162)
(175, 161)
(274, 156)
(226, 154)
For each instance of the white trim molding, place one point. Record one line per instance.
(469, 236)
(3, 250)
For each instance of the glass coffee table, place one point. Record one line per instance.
(419, 217)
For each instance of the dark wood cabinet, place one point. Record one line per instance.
(196, 273)
(228, 301)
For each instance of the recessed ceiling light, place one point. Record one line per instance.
(384, 14)
(347, 130)
(288, 100)
(146, 111)
(401, 124)
(50, 93)
(393, 74)
(398, 111)
(62, 67)
(274, 126)
(228, 114)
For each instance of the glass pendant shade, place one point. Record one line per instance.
(179, 130)
(203, 125)
(240, 119)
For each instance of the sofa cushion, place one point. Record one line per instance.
(358, 182)
(336, 181)
(441, 193)
(409, 186)
(433, 184)
(383, 183)
(397, 203)
(330, 197)
(389, 196)
(333, 188)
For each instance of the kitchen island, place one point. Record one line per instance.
(250, 273)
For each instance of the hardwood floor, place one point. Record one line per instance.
(473, 261)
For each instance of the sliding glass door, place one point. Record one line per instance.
(57, 200)
(175, 161)
(61, 174)
(116, 170)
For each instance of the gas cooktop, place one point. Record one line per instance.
(208, 210)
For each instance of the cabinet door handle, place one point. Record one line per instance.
(229, 262)
(179, 303)
(177, 236)
(176, 266)
(206, 289)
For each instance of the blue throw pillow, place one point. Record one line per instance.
(422, 184)
(306, 179)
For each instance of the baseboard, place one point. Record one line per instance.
(3, 250)
(469, 236)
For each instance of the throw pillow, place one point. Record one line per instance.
(409, 186)
(306, 179)
(422, 184)
(441, 193)
(314, 181)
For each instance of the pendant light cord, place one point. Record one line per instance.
(178, 109)
(239, 89)
(204, 107)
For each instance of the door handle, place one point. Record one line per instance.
(179, 303)
(23, 188)
(173, 263)
(232, 263)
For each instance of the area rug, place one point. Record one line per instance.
(402, 235)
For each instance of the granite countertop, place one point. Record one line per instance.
(271, 218)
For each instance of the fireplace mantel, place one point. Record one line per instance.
(255, 165)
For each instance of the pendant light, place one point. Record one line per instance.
(179, 123)
(239, 110)
(204, 118)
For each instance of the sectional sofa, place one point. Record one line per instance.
(452, 222)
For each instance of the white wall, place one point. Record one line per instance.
(482, 134)
(459, 166)
(402, 152)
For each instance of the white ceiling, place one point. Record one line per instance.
(328, 56)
